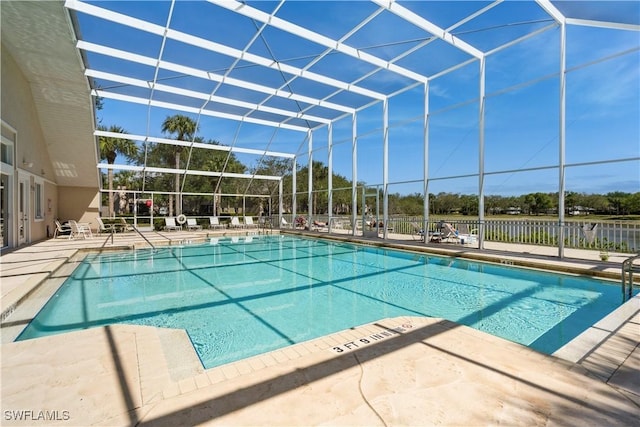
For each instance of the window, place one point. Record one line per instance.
(7, 141)
(39, 200)
(6, 153)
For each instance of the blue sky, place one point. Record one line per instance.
(522, 87)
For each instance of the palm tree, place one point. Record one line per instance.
(110, 148)
(185, 128)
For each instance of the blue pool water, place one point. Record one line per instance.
(240, 298)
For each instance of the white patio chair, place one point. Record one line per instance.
(170, 224)
(192, 224)
(284, 223)
(235, 222)
(62, 230)
(80, 229)
(214, 222)
(105, 228)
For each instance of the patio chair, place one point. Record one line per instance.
(466, 236)
(80, 229)
(285, 224)
(320, 226)
(62, 230)
(448, 232)
(192, 224)
(214, 222)
(105, 228)
(235, 222)
(248, 222)
(124, 225)
(417, 232)
(170, 224)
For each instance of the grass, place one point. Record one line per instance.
(576, 218)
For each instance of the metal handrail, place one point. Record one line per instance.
(143, 236)
(263, 223)
(627, 274)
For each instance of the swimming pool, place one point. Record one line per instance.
(242, 297)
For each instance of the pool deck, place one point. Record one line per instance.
(399, 371)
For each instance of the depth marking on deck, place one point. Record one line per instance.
(372, 338)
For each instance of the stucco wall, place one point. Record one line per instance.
(19, 111)
(32, 157)
(79, 203)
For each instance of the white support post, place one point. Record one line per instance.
(294, 189)
(483, 62)
(354, 172)
(310, 178)
(330, 183)
(562, 139)
(280, 202)
(385, 167)
(425, 216)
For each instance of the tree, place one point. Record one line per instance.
(184, 128)
(617, 200)
(538, 203)
(273, 166)
(213, 161)
(110, 148)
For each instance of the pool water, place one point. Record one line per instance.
(242, 297)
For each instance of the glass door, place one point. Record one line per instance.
(4, 209)
(23, 210)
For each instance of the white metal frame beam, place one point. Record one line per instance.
(199, 42)
(152, 169)
(194, 110)
(428, 26)
(602, 24)
(307, 34)
(167, 141)
(208, 75)
(201, 95)
(552, 10)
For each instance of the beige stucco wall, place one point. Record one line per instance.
(18, 111)
(79, 203)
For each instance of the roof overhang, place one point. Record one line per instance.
(40, 38)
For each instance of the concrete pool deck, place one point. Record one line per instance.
(411, 371)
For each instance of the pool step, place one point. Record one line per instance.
(165, 356)
(616, 360)
(182, 359)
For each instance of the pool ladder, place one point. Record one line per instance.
(264, 225)
(628, 268)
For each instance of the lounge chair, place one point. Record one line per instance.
(466, 236)
(105, 228)
(124, 225)
(214, 222)
(447, 232)
(192, 224)
(301, 223)
(248, 222)
(62, 230)
(284, 223)
(320, 226)
(80, 229)
(170, 224)
(417, 232)
(235, 222)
